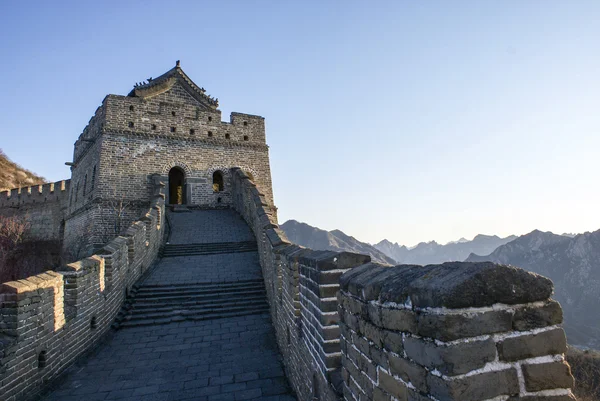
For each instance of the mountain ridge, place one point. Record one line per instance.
(573, 264)
(14, 176)
(432, 252)
(335, 240)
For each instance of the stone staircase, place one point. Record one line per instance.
(152, 304)
(173, 250)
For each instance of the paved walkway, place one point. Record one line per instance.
(233, 358)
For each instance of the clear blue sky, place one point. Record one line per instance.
(404, 120)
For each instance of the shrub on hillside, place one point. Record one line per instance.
(21, 256)
(585, 366)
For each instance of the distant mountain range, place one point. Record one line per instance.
(321, 240)
(571, 261)
(573, 264)
(427, 253)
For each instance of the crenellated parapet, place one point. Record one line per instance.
(354, 330)
(36, 194)
(49, 320)
(456, 331)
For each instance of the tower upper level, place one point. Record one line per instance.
(171, 106)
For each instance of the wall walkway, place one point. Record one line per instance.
(354, 330)
(198, 328)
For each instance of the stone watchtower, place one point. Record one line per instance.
(168, 128)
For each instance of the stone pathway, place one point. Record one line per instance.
(232, 358)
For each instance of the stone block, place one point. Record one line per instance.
(409, 372)
(475, 388)
(392, 386)
(371, 332)
(393, 341)
(450, 327)
(452, 285)
(561, 397)
(551, 342)
(380, 395)
(529, 318)
(398, 320)
(450, 360)
(546, 376)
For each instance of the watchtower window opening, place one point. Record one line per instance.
(192, 131)
(153, 127)
(173, 113)
(209, 118)
(176, 186)
(245, 123)
(173, 129)
(130, 124)
(93, 177)
(217, 181)
(210, 134)
(227, 136)
(42, 360)
(130, 108)
(245, 137)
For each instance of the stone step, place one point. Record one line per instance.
(135, 314)
(212, 245)
(157, 292)
(195, 303)
(179, 318)
(144, 287)
(198, 296)
(173, 250)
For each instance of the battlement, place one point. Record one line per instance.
(91, 132)
(36, 194)
(48, 320)
(353, 330)
(176, 118)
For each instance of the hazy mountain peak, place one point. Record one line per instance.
(432, 252)
(336, 240)
(573, 264)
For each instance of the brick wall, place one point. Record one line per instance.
(301, 287)
(354, 330)
(43, 206)
(456, 331)
(48, 320)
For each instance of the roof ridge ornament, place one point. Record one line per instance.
(153, 86)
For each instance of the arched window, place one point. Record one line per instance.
(217, 181)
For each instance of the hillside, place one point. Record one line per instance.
(14, 176)
(433, 253)
(317, 239)
(573, 264)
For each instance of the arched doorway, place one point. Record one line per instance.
(176, 186)
(218, 185)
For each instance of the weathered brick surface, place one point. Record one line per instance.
(50, 319)
(545, 376)
(533, 345)
(436, 352)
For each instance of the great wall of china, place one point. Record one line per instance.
(345, 328)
